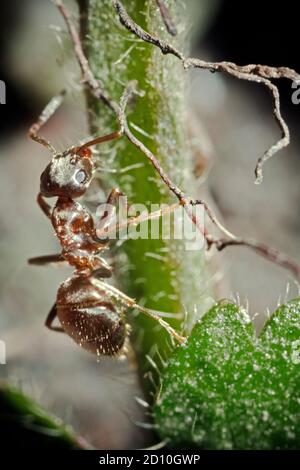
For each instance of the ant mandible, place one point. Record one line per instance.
(90, 311)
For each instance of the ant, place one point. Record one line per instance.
(90, 311)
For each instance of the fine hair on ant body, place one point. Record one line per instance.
(90, 311)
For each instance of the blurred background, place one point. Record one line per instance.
(237, 125)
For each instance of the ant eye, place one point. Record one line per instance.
(80, 176)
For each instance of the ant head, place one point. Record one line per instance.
(68, 174)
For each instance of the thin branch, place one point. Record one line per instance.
(267, 252)
(165, 14)
(87, 75)
(253, 72)
(242, 73)
(98, 91)
(125, 19)
(281, 259)
(137, 143)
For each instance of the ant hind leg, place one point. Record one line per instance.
(131, 303)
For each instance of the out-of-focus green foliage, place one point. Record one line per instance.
(24, 424)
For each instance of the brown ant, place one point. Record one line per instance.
(90, 310)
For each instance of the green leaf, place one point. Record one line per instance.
(25, 425)
(226, 389)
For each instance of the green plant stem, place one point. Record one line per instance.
(158, 273)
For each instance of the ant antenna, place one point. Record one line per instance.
(46, 114)
(100, 140)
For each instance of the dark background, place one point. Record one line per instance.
(243, 32)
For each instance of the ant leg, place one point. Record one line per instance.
(129, 302)
(46, 208)
(47, 259)
(114, 196)
(135, 220)
(108, 217)
(46, 114)
(49, 320)
(164, 324)
(165, 14)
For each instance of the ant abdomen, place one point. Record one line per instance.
(89, 317)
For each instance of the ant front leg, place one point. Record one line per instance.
(46, 114)
(109, 226)
(108, 218)
(45, 207)
(114, 196)
(50, 318)
(136, 220)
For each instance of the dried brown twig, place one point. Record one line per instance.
(165, 14)
(253, 73)
(98, 91)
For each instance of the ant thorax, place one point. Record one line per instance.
(74, 227)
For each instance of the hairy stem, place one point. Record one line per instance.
(159, 273)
